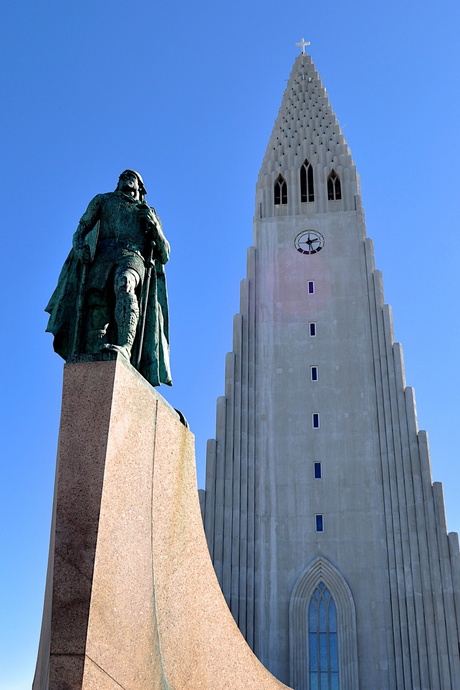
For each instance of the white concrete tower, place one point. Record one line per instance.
(327, 534)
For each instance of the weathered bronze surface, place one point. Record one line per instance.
(111, 295)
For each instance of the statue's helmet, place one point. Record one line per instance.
(142, 188)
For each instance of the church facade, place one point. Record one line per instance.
(326, 532)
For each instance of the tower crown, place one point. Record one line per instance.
(307, 167)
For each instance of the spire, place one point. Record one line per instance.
(306, 129)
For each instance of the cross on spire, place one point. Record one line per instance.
(302, 44)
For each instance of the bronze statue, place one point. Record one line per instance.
(111, 294)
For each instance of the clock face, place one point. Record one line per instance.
(309, 242)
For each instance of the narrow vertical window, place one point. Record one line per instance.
(311, 287)
(315, 420)
(307, 192)
(312, 328)
(322, 640)
(334, 189)
(319, 523)
(280, 191)
(318, 470)
(314, 373)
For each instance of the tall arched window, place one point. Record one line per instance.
(322, 641)
(322, 631)
(334, 189)
(307, 191)
(280, 191)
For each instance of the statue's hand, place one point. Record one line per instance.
(149, 219)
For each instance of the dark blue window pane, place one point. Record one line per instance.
(332, 617)
(311, 287)
(314, 373)
(334, 681)
(313, 651)
(314, 681)
(324, 681)
(312, 617)
(312, 329)
(319, 523)
(322, 616)
(317, 470)
(323, 660)
(334, 656)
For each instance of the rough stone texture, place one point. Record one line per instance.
(132, 599)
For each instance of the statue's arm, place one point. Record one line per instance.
(162, 247)
(86, 224)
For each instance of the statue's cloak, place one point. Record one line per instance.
(63, 306)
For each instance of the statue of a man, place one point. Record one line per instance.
(111, 294)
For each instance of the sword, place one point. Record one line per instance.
(149, 263)
(79, 311)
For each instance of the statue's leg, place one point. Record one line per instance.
(126, 310)
(97, 321)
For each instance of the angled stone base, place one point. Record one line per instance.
(132, 600)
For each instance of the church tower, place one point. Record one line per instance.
(326, 532)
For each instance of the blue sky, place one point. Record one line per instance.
(187, 93)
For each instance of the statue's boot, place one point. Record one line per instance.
(124, 350)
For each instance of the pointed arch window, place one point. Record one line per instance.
(334, 188)
(280, 190)
(322, 629)
(307, 190)
(322, 641)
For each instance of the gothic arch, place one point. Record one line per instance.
(307, 189)
(280, 190)
(334, 188)
(321, 570)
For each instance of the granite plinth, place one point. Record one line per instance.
(132, 600)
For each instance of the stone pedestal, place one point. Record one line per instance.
(132, 600)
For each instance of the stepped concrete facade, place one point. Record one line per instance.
(132, 600)
(326, 532)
